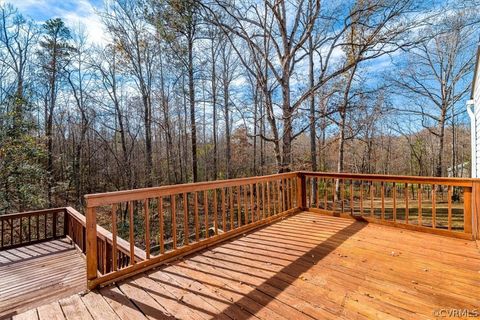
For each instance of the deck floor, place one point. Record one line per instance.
(37, 274)
(307, 266)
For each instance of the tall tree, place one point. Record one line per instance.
(177, 21)
(55, 51)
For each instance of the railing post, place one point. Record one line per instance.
(301, 191)
(54, 225)
(475, 211)
(91, 243)
(65, 222)
(468, 208)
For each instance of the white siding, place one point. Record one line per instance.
(476, 108)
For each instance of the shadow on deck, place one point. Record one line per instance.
(37, 274)
(308, 266)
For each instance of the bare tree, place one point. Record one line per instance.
(434, 77)
(132, 37)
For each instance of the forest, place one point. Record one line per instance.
(185, 91)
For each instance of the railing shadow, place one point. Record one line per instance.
(295, 269)
(34, 251)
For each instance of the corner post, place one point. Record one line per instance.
(301, 191)
(65, 222)
(475, 210)
(91, 244)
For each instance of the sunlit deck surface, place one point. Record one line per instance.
(37, 274)
(308, 266)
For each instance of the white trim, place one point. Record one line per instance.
(473, 138)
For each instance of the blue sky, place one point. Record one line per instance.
(73, 12)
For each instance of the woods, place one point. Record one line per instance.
(186, 91)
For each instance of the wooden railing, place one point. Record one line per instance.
(76, 231)
(155, 225)
(168, 222)
(20, 229)
(436, 205)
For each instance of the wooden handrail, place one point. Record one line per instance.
(325, 193)
(460, 182)
(109, 198)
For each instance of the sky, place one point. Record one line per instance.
(73, 12)
(84, 13)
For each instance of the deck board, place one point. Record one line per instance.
(307, 266)
(38, 274)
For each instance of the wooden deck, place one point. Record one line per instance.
(37, 274)
(308, 266)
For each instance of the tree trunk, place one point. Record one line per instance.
(214, 113)
(313, 133)
(228, 150)
(193, 125)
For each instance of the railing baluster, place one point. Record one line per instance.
(245, 203)
(325, 194)
(450, 208)
(280, 196)
(30, 229)
(147, 227)
(197, 222)
(131, 233)
(205, 211)
(252, 208)
(263, 200)
(342, 194)
(232, 209)
(334, 194)
(239, 207)
(20, 230)
(114, 236)
(372, 194)
(104, 257)
(215, 212)
(185, 219)
(434, 207)
(186, 234)
(382, 194)
(352, 207)
(38, 227)
(257, 195)
(419, 191)
(308, 191)
(361, 197)
(173, 207)
(160, 217)
(407, 209)
(268, 198)
(274, 197)
(394, 186)
(224, 211)
(45, 225)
